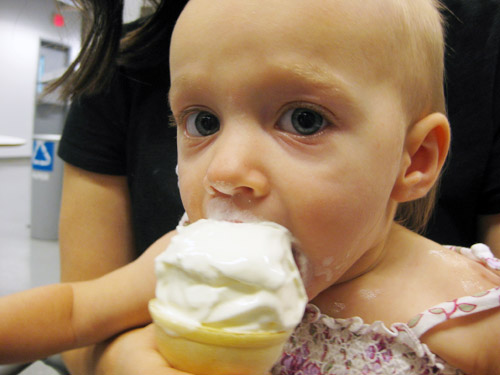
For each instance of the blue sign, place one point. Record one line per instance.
(43, 155)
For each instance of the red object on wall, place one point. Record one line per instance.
(58, 20)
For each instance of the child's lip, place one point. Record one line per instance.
(235, 221)
(224, 209)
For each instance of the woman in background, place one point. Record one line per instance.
(120, 188)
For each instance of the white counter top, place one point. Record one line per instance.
(7, 140)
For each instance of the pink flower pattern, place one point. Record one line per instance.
(322, 345)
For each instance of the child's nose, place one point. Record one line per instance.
(237, 167)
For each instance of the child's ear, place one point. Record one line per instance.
(426, 147)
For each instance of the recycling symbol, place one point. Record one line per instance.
(43, 155)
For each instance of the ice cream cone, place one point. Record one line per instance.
(209, 351)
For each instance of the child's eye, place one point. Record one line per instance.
(303, 121)
(202, 124)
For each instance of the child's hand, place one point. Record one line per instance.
(156, 248)
(119, 300)
(142, 271)
(134, 353)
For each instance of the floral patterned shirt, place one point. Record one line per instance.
(323, 345)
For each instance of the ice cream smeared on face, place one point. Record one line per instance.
(239, 277)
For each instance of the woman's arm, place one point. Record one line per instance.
(95, 231)
(95, 237)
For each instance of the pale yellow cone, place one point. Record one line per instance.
(208, 351)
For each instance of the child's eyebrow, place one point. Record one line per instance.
(333, 86)
(300, 75)
(319, 78)
(180, 81)
(313, 75)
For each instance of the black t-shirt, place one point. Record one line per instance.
(471, 180)
(126, 132)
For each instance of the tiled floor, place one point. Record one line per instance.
(24, 262)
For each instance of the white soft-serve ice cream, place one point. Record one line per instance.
(228, 296)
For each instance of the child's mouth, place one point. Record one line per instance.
(223, 209)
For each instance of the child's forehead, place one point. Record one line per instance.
(289, 15)
(358, 28)
(276, 8)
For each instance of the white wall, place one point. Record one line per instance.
(23, 24)
(131, 10)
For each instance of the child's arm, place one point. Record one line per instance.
(470, 343)
(50, 319)
(36, 323)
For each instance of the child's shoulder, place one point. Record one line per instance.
(414, 275)
(459, 270)
(431, 273)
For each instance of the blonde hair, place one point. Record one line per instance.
(420, 75)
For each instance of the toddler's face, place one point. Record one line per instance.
(280, 118)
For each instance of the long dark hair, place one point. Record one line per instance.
(106, 46)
